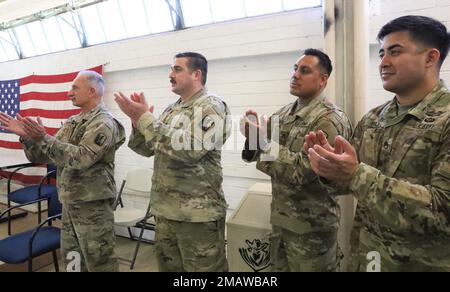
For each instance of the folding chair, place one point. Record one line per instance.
(31, 193)
(24, 246)
(136, 181)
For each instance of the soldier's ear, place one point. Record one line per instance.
(323, 80)
(198, 74)
(433, 57)
(92, 91)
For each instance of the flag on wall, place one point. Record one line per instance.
(43, 96)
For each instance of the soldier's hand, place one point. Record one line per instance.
(134, 107)
(243, 127)
(249, 124)
(320, 138)
(339, 165)
(140, 98)
(12, 125)
(34, 129)
(264, 126)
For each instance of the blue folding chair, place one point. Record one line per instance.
(31, 193)
(45, 238)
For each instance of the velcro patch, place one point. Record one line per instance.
(100, 139)
(207, 123)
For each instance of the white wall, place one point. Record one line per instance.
(382, 11)
(250, 66)
(250, 63)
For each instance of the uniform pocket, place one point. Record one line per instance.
(368, 152)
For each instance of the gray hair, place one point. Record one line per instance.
(96, 81)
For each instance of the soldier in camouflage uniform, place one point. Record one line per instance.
(186, 197)
(83, 151)
(304, 214)
(399, 168)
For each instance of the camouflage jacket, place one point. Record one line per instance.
(300, 202)
(187, 178)
(403, 185)
(83, 151)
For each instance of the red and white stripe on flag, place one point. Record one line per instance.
(43, 96)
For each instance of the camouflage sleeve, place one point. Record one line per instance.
(139, 145)
(286, 161)
(34, 152)
(431, 203)
(295, 160)
(189, 143)
(357, 136)
(96, 141)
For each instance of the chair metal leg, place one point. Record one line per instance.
(30, 265)
(9, 218)
(55, 261)
(9, 223)
(39, 213)
(130, 233)
(137, 247)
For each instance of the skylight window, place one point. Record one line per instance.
(111, 20)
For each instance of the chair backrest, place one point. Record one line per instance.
(51, 167)
(139, 180)
(54, 206)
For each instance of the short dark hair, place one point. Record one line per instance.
(425, 30)
(196, 61)
(324, 60)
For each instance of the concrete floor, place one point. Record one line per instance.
(145, 262)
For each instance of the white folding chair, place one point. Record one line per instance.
(138, 180)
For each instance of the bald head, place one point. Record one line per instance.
(95, 80)
(87, 90)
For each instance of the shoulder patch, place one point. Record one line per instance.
(207, 123)
(100, 139)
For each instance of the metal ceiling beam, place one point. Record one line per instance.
(48, 13)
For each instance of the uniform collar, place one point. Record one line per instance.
(304, 111)
(191, 101)
(92, 112)
(420, 111)
(426, 105)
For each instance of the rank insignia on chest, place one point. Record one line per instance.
(427, 123)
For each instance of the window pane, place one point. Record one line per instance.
(92, 25)
(196, 12)
(133, 13)
(53, 33)
(38, 38)
(296, 4)
(3, 57)
(8, 47)
(112, 20)
(158, 14)
(69, 31)
(227, 9)
(26, 45)
(259, 7)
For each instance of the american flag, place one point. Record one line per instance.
(43, 96)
